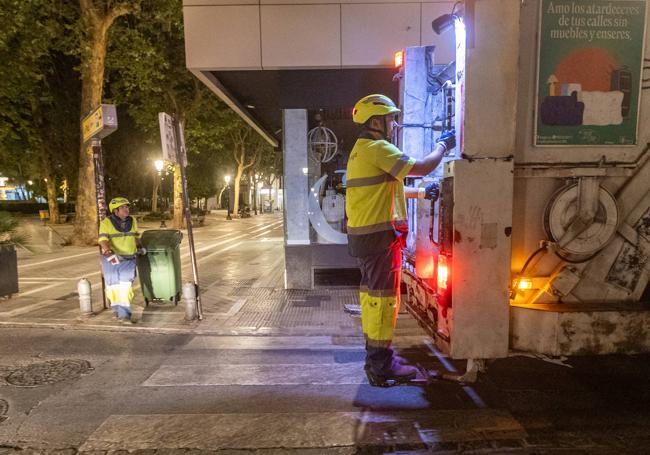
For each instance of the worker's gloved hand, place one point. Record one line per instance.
(141, 251)
(432, 192)
(107, 253)
(447, 139)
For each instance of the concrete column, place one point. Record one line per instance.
(296, 168)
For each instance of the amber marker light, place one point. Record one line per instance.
(399, 59)
(525, 284)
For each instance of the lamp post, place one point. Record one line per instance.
(227, 179)
(159, 165)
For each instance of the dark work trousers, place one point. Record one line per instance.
(380, 294)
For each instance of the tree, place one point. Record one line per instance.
(37, 101)
(96, 19)
(247, 148)
(149, 56)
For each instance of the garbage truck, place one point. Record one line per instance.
(540, 239)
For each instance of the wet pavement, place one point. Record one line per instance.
(276, 371)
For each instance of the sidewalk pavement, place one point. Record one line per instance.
(241, 290)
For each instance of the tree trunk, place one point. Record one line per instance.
(92, 84)
(52, 203)
(179, 221)
(220, 195)
(97, 20)
(254, 187)
(238, 174)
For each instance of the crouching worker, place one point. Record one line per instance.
(119, 240)
(377, 227)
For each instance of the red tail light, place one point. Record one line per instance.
(443, 272)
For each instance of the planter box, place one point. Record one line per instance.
(8, 270)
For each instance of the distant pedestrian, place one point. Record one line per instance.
(119, 240)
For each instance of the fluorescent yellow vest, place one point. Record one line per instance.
(374, 186)
(122, 243)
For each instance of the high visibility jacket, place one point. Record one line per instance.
(120, 235)
(374, 187)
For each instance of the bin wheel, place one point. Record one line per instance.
(146, 301)
(176, 299)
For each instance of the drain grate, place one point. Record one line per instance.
(49, 372)
(311, 301)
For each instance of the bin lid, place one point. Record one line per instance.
(161, 239)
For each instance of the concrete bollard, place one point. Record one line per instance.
(189, 296)
(85, 297)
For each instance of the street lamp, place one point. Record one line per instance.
(227, 179)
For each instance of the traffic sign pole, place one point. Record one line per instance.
(181, 158)
(98, 124)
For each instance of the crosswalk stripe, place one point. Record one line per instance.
(270, 374)
(271, 343)
(309, 430)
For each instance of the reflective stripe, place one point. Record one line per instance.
(386, 226)
(120, 234)
(401, 164)
(368, 181)
(378, 343)
(382, 292)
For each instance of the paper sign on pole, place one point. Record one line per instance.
(168, 137)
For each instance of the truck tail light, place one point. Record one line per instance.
(443, 272)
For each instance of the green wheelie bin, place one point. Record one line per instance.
(160, 269)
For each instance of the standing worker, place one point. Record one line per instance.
(377, 227)
(119, 240)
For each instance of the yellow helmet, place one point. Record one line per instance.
(117, 202)
(372, 105)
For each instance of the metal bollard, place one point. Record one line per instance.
(189, 296)
(85, 297)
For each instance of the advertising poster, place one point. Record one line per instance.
(589, 72)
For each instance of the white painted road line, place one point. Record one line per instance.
(58, 259)
(28, 308)
(53, 285)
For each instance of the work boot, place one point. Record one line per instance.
(396, 357)
(383, 370)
